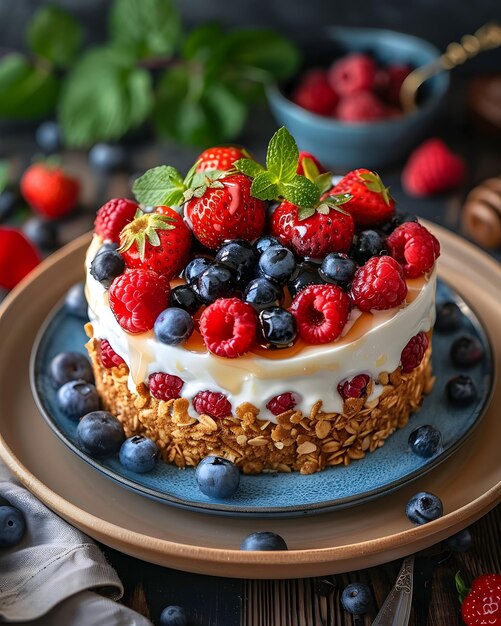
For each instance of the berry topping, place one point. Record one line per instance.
(219, 158)
(263, 540)
(113, 216)
(367, 244)
(195, 267)
(321, 312)
(449, 317)
(228, 327)
(75, 301)
(355, 387)
(315, 94)
(361, 106)
(217, 477)
(461, 390)
(173, 326)
(466, 351)
(165, 386)
(379, 284)
(100, 434)
(424, 507)
(18, 256)
(67, 366)
(278, 327)
(277, 264)
(184, 297)
(77, 397)
(106, 266)
(240, 256)
(425, 441)
(217, 281)
(354, 72)
(283, 402)
(12, 526)
(357, 598)
(307, 273)
(173, 616)
(264, 242)
(212, 403)
(139, 454)
(49, 190)
(109, 358)
(413, 353)
(137, 298)
(262, 293)
(397, 220)
(338, 268)
(414, 247)
(482, 605)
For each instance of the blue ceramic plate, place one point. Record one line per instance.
(277, 494)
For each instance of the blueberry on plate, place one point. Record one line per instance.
(217, 477)
(425, 441)
(461, 390)
(67, 366)
(460, 542)
(75, 301)
(278, 327)
(12, 526)
(263, 540)
(48, 137)
(466, 351)
(173, 616)
(106, 266)
(139, 454)
(240, 256)
(184, 297)
(424, 507)
(277, 263)
(107, 157)
(307, 273)
(77, 397)
(338, 268)
(262, 293)
(367, 244)
(217, 281)
(357, 598)
(264, 242)
(100, 434)
(449, 317)
(195, 267)
(173, 326)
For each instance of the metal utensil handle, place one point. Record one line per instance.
(396, 609)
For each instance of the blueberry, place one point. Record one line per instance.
(424, 507)
(307, 273)
(100, 434)
(277, 263)
(461, 390)
(12, 526)
(264, 242)
(70, 366)
(139, 454)
(173, 326)
(449, 317)
(367, 244)
(240, 256)
(42, 232)
(48, 137)
(77, 397)
(194, 268)
(278, 327)
(105, 157)
(262, 293)
(263, 540)
(460, 542)
(9, 199)
(217, 281)
(466, 351)
(357, 598)
(76, 302)
(425, 441)
(106, 266)
(338, 268)
(184, 297)
(397, 220)
(173, 616)
(217, 477)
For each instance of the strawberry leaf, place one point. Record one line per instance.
(310, 169)
(461, 587)
(188, 179)
(264, 187)
(374, 183)
(282, 156)
(305, 212)
(300, 191)
(159, 186)
(323, 182)
(323, 209)
(249, 167)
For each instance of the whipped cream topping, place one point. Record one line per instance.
(371, 343)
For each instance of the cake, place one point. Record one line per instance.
(193, 348)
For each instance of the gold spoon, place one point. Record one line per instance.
(487, 37)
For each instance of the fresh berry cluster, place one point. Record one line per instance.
(355, 88)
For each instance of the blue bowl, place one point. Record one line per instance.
(342, 145)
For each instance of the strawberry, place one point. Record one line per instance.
(49, 190)
(219, 158)
(371, 203)
(158, 241)
(113, 216)
(18, 256)
(327, 229)
(481, 605)
(307, 161)
(226, 210)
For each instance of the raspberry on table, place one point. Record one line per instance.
(321, 312)
(165, 386)
(413, 353)
(355, 387)
(228, 327)
(109, 358)
(379, 284)
(414, 247)
(113, 216)
(212, 403)
(354, 72)
(281, 403)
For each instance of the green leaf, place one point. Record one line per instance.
(27, 91)
(249, 167)
(104, 97)
(4, 175)
(338, 199)
(305, 212)
(264, 187)
(462, 589)
(374, 183)
(323, 182)
(282, 156)
(310, 169)
(300, 191)
(159, 186)
(54, 35)
(145, 28)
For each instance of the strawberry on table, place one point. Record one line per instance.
(219, 158)
(481, 605)
(18, 257)
(49, 190)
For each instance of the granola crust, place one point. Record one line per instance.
(304, 442)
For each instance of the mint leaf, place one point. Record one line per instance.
(249, 167)
(160, 186)
(282, 155)
(300, 191)
(264, 187)
(54, 35)
(4, 175)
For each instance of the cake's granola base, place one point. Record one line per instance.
(308, 443)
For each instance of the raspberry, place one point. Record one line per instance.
(281, 403)
(379, 284)
(137, 298)
(355, 387)
(413, 353)
(212, 403)
(315, 94)
(321, 311)
(414, 247)
(164, 386)
(354, 72)
(395, 76)
(432, 168)
(228, 327)
(361, 106)
(109, 358)
(113, 216)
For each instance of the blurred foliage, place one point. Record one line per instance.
(193, 87)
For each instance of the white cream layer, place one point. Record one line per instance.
(371, 344)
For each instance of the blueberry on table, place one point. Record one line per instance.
(217, 477)
(277, 263)
(263, 540)
(195, 267)
(42, 232)
(240, 256)
(425, 441)
(278, 327)
(184, 297)
(77, 398)
(461, 390)
(106, 266)
(460, 542)
(108, 158)
(466, 351)
(12, 526)
(173, 616)
(424, 507)
(265, 242)
(75, 301)
(100, 434)
(139, 454)
(262, 293)
(338, 268)
(67, 366)
(357, 598)
(173, 326)
(48, 137)
(449, 317)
